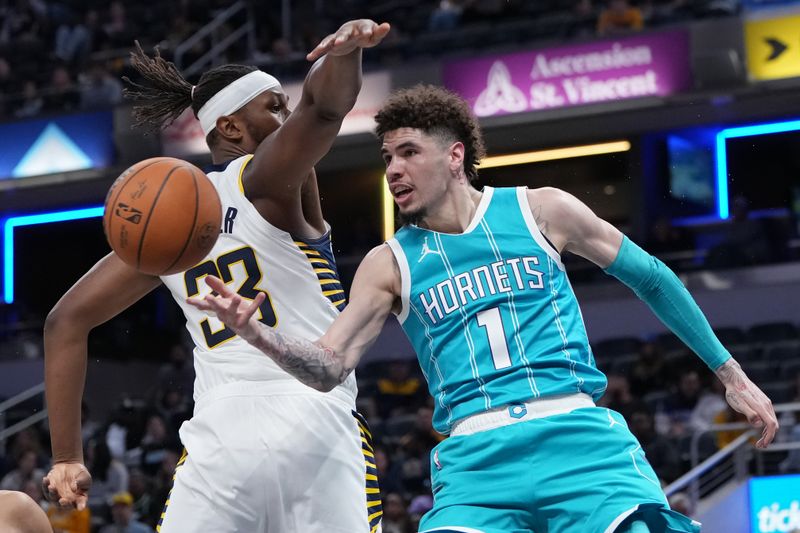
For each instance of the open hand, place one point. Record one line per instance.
(362, 33)
(67, 484)
(745, 397)
(230, 308)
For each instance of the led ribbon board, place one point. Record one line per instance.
(723, 208)
(30, 220)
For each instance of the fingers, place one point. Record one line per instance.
(218, 286)
(255, 304)
(351, 35)
(321, 49)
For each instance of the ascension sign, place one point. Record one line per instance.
(602, 71)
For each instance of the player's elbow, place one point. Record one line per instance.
(332, 112)
(63, 320)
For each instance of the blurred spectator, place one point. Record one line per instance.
(661, 453)
(583, 21)
(8, 84)
(109, 475)
(389, 472)
(178, 372)
(99, 89)
(22, 23)
(681, 403)
(174, 408)
(729, 416)
(446, 16)
(162, 484)
(32, 102)
(140, 487)
(649, 372)
(25, 470)
(62, 94)
(28, 439)
(119, 31)
(419, 506)
(618, 397)
(712, 403)
(72, 40)
(395, 516)
(89, 427)
(399, 391)
(66, 520)
(665, 238)
(416, 446)
(155, 444)
(122, 516)
(619, 16)
(746, 241)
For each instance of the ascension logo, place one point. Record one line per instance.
(773, 518)
(500, 93)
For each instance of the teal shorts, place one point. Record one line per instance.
(581, 472)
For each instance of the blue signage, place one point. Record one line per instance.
(56, 144)
(775, 504)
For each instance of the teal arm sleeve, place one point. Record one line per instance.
(658, 286)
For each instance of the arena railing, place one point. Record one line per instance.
(732, 462)
(5, 406)
(211, 31)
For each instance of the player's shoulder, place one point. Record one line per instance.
(380, 266)
(551, 195)
(379, 256)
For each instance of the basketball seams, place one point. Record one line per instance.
(110, 206)
(150, 214)
(192, 228)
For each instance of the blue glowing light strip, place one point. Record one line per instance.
(30, 220)
(722, 154)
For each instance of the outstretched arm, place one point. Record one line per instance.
(106, 290)
(284, 159)
(572, 226)
(326, 363)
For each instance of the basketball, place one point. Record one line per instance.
(162, 216)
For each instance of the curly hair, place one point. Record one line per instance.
(167, 93)
(438, 112)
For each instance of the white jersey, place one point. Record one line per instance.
(299, 277)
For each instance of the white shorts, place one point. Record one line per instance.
(261, 462)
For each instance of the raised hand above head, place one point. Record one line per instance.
(362, 33)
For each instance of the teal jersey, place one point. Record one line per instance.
(491, 313)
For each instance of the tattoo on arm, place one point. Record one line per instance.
(731, 374)
(317, 366)
(541, 223)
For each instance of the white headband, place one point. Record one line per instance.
(234, 97)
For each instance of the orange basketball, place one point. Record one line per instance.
(162, 216)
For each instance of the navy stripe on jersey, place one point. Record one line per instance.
(319, 253)
(372, 486)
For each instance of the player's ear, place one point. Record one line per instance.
(229, 128)
(456, 157)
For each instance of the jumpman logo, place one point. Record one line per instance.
(426, 250)
(500, 93)
(611, 419)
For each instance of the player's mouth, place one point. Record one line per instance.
(401, 193)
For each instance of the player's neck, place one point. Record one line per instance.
(455, 212)
(227, 152)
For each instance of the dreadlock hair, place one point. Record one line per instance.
(437, 112)
(167, 94)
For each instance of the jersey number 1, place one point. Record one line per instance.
(493, 322)
(248, 289)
